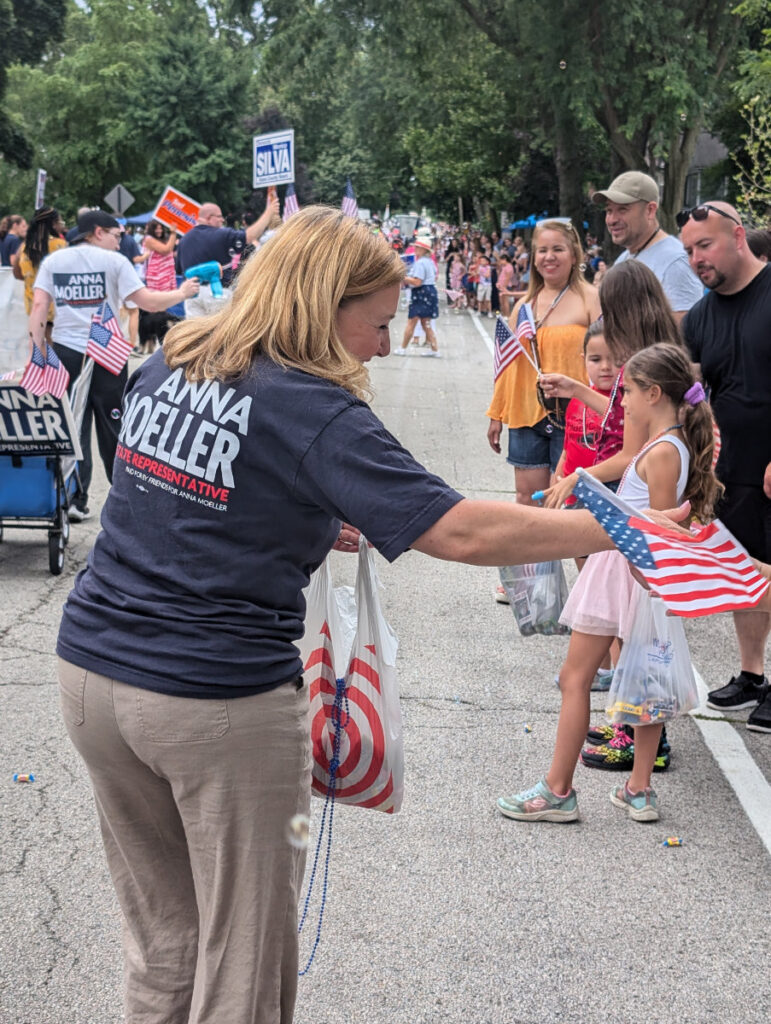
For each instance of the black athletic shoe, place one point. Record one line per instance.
(739, 693)
(760, 719)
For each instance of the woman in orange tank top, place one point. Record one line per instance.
(563, 305)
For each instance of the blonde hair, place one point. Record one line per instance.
(285, 303)
(576, 280)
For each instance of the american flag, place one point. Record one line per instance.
(56, 378)
(700, 574)
(349, 205)
(291, 206)
(33, 378)
(525, 328)
(106, 345)
(506, 347)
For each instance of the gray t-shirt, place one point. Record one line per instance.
(79, 279)
(669, 262)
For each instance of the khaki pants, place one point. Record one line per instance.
(194, 800)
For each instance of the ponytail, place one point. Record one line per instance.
(669, 367)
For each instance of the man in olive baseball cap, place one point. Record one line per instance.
(631, 203)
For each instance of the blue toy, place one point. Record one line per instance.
(208, 273)
(537, 495)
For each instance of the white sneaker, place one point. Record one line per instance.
(501, 596)
(400, 352)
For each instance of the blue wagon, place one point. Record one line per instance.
(39, 449)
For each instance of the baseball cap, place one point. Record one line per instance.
(629, 187)
(92, 219)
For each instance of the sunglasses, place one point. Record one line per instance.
(701, 213)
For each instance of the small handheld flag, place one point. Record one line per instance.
(506, 347)
(55, 377)
(698, 574)
(106, 345)
(33, 378)
(349, 205)
(291, 206)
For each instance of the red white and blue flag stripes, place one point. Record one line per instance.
(106, 344)
(55, 377)
(291, 206)
(506, 347)
(703, 573)
(33, 378)
(349, 205)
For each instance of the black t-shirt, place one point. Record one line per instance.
(730, 335)
(204, 243)
(224, 500)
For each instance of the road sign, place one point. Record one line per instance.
(119, 199)
(273, 158)
(176, 210)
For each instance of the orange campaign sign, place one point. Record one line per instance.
(176, 210)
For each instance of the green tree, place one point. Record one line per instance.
(26, 29)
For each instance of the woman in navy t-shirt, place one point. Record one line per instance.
(246, 446)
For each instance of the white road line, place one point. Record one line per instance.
(478, 324)
(723, 741)
(736, 763)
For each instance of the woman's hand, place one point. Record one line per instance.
(557, 385)
(559, 492)
(494, 435)
(347, 539)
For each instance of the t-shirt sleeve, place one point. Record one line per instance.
(128, 280)
(680, 284)
(359, 473)
(418, 269)
(692, 336)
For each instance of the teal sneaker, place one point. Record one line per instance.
(539, 804)
(640, 806)
(602, 680)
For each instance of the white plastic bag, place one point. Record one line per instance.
(537, 593)
(653, 680)
(356, 723)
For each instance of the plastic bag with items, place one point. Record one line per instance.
(537, 593)
(653, 681)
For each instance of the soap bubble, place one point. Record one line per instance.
(298, 831)
(563, 65)
(683, 116)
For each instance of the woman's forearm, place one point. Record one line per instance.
(502, 533)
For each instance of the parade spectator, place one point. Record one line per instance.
(505, 283)
(209, 241)
(759, 241)
(599, 273)
(44, 236)
(73, 235)
(158, 244)
(631, 203)
(190, 712)
(484, 285)
(424, 301)
(79, 280)
(12, 234)
(131, 251)
(563, 306)
(727, 332)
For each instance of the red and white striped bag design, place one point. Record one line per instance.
(370, 758)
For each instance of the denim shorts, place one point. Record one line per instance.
(537, 447)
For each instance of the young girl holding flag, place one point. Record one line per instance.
(662, 401)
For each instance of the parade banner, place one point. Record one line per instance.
(273, 158)
(177, 211)
(36, 424)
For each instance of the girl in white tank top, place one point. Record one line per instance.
(662, 398)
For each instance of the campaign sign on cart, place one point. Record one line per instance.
(274, 158)
(36, 424)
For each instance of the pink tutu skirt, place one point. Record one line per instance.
(604, 600)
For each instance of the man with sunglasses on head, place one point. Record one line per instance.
(631, 203)
(79, 279)
(729, 334)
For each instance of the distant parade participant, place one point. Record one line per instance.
(210, 241)
(78, 280)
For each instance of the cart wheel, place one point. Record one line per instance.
(65, 526)
(55, 552)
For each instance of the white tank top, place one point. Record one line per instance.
(635, 491)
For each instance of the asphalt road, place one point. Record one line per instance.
(446, 912)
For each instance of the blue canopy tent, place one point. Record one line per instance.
(141, 218)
